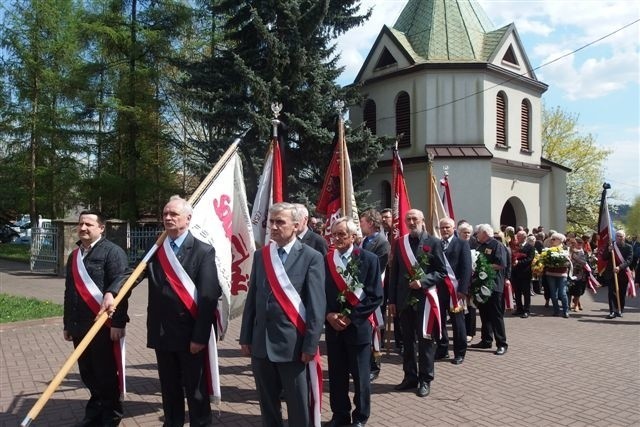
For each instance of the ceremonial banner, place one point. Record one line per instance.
(446, 197)
(604, 231)
(221, 218)
(401, 204)
(337, 197)
(269, 192)
(436, 209)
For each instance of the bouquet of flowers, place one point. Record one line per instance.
(482, 279)
(550, 258)
(350, 274)
(417, 271)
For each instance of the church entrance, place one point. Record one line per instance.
(513, 213)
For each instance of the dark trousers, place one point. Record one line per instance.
(344, 359)
(457, 326)
(613, 301)
(411, 325)
(99, 373)
(272, 378)
(522, 289)
(492, 317)
(470, 320)
(182, 374)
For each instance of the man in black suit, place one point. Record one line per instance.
(375, 241)
(453, 292)
(178, 333)
(492, 311)
(283, 319)
(353, 287)
(417, 267)
(100, 266)
(521, 274)
(626, 251)
(307, 235)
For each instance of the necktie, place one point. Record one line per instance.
(345, 260)
(174, 247)
(282, 254)
(445, 243)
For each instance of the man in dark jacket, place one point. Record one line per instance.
(353, 287)
(521, 274)
(96, 270)
(623, 260)
(454, 289)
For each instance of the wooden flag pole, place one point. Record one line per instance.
(102, 317)
(615, 275)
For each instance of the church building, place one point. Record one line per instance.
(464, 94)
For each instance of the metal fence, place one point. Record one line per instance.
(44, 249)
(139, 241)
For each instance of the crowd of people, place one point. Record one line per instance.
(302, 286)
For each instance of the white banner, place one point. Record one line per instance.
(221, 218)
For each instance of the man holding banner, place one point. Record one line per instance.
(417, 267)
(282, 322)
(183, 297)
(95, 271)
(624, 255)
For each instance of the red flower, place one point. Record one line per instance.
(356, 252)
(426, 248)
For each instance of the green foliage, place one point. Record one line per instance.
(562, 143)
(16, 309)
(14, 252)
(632, 219)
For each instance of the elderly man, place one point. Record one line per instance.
(354, 291)
(283, 319)
(453, 292)
(623, 260)
(417, 267)
(522, 257)
(308, 236)
(492, 311)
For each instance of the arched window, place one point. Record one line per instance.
(370, 115)
(525, 126)
(501, 120)
(403, 119)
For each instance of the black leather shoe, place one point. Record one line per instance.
(442, 356)
(525, 315)
(423, 389)
(481, 344)
(610, 316)
(358, 424)
(338, 422)
(406, 384)
(457, 360)
(374, 375)
(500, 351)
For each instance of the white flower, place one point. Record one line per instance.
(474, 258)
(485, 291)
(482, 275)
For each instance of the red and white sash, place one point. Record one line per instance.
(450, 280)
(431, 314)
(92, 296)
(508, 295)
(186, 291)
(334, 260)
(289, 299)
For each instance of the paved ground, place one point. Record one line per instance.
(582, 371)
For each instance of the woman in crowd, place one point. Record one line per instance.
(556, 277)
(579, 276)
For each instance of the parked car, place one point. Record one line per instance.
(25, 229)
(8, 234)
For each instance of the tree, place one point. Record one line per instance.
(632, 219)
(562, 143)
(263, 52)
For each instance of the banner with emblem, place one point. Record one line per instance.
(221, 218)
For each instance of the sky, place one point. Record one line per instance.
(600, 83)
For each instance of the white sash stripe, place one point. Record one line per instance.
(284, 281)
(407, 249)
(87, 281)
(179, 270)
(337, 259)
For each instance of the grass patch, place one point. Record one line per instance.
(15, 252)
(16, 309)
